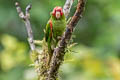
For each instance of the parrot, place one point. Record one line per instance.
(55, 28)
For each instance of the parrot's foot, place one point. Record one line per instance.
(59, 37)
(38, 42)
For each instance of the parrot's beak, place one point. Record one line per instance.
(58, 15)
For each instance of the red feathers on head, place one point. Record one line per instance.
(57, 9)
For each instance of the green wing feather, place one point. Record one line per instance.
(47, 32)
(48, 35)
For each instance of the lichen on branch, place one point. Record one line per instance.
(67, 7)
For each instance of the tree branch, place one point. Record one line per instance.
(59, 52)
(67, 7)
(26, 18)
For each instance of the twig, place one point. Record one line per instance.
(26, 18)
(59, 52)
(67, 7)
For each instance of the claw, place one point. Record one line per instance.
(59, 37)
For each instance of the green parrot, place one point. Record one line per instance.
(55, 28)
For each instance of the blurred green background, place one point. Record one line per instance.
(95, 57)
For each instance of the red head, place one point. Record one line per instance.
(57, 12)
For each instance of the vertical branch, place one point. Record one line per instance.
(59, 52)
(67, 7)
(26, 18)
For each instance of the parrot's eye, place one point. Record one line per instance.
(58, 15)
